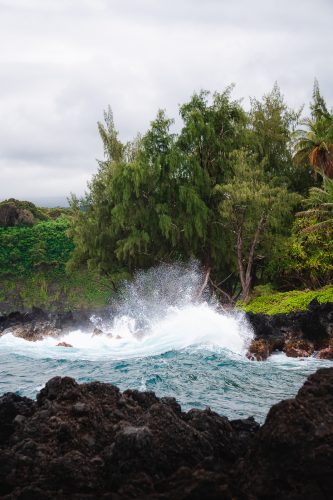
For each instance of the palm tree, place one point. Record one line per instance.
(320, 211)
(316, 145)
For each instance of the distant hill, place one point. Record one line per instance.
(25, 213)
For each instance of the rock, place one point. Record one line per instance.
(38, 324)
(298, 348)
(313, 326)
(11, 215)
(325, 353)
(11, 406)
(259, 350)
(75, 442)
(64, 344)
(97, 332)
(291, 457)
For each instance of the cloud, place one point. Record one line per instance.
(65, 61)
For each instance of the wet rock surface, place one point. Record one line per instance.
(38, 324)
(92, 441)
(298, 334)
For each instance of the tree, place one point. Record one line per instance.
(113, 148)
(213, 126)
(271, 125)
(319, 213)
(256, 211)
(159, 204)
(318, 105)
(122, 221)
(314, 143)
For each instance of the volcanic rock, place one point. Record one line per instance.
(326, 353)
(291, 456)
(298, 348)
(38, 324)
(92, 441)
(313, 326)
(64, 344)
(97, 332)
(259, 350)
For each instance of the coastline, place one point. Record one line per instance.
(298, 334)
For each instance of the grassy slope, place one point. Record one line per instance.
(286, 302)
(56, 291)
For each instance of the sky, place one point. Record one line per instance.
(62, 62)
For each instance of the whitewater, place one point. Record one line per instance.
(160, 337)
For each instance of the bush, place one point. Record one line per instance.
(286, 302)
(25, 250)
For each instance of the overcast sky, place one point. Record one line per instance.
(63, 61)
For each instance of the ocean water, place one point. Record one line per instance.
(163, 340)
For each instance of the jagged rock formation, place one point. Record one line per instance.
(92, 441)
(37, 324)
(297, 334)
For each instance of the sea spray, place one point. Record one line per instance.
(155, 313)
(158, 312)
(160, 337)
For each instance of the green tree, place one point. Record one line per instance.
(271, 124)
(214, 126)
(314, 145)
(160, 203)
(319, 204)
(318, 105)
(314, 142)
(124, 220)
(257, 213)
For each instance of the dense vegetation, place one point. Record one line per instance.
(269, 302)
(33, 258)
(248, 194)
(43, 246)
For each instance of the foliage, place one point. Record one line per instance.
(24, 250)
(308, 256)
(286, 302)
(314, 143)
(227, 180)
(271, 126)
(158, 203)
(256, 211)
(55, 290)
(319, 216)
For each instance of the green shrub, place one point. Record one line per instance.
(25, 250)
(286, 302)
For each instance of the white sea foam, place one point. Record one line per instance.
(157, 312)
(179, 328)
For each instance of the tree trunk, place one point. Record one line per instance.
(203, 286)
(246, 275)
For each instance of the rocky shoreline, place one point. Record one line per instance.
(38, 324)
(299, 334)
(92, 441)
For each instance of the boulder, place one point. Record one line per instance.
(291, 457)
(298, 348)
(259, 350)
(64, 344)
(325, 353)
(38, 324)
(11, 215)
